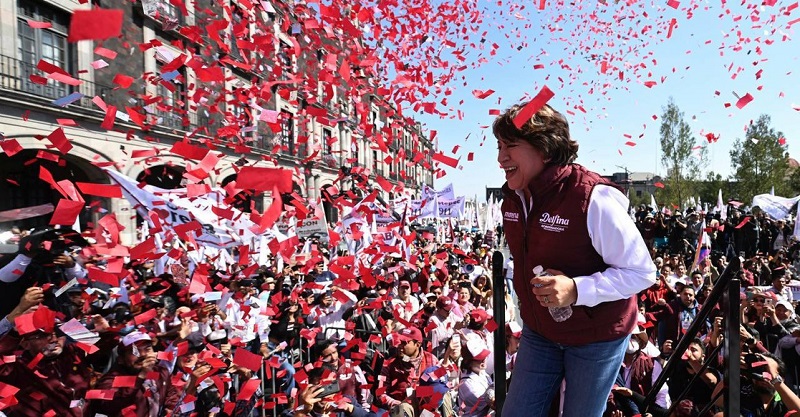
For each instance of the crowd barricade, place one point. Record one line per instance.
(727, 290)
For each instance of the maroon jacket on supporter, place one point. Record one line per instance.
(555, 236)
(39, 395)
(401, 375)
(54, 384)
(136, 395)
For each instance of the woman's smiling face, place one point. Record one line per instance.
(520, 161)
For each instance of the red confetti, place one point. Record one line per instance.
(95, 24)
(533, 106)
(744, 100)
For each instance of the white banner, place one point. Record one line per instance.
(309, 227)
(427, 192)
(446, 193)
(422, 208)
(382, 228)
(450, 208)
(176, 208)
(776, 207)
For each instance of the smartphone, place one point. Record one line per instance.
(457, 338)
(769, 302)
(329, 389)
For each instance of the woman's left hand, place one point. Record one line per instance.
(556, 290)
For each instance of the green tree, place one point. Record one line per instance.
(794, 181)
(760, 161)
(679, 157)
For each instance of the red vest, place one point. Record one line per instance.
(555, 235)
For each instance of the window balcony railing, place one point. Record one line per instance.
(15, 75)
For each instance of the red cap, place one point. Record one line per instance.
(479, 315)
(445, 303)
(409, 333)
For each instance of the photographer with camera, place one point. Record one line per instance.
(44, 257)
(761, 380)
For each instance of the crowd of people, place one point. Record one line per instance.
(403, 335)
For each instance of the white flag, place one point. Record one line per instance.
(776, 207)
(178, 209)
(723, 213)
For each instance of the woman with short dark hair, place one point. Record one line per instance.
(574, 224)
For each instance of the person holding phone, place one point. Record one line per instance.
(323, 397)
(575, 225)
(768, 324)
(400, 375)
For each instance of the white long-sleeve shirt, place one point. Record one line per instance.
(14, 269)
(615, 237)
(332, 316)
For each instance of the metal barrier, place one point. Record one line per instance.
(727, 289)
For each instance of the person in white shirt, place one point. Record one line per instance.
(513, 335)
(510, 274)
(443, 325)
(476, 329)
(779, 287)
(242, 314)
(476, 390)
(405, 304)
(329, 313)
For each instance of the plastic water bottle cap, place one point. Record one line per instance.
(538, 269)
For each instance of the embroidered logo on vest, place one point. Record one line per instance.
(511, 216)
(553, 222)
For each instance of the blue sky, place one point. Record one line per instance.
(627, 107)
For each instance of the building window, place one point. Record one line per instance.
(287, 133)
(375, 163)
(239, 29)
(171, 90)
(241, 117)
(165, 12)
(354, 152)
(285, 58)
(327, 146)
(49, 45)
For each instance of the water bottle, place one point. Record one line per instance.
(559, 313)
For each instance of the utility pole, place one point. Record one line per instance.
(627, 180)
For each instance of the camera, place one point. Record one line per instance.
(755, 367)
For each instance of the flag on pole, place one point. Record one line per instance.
(653, 202)
(703, 246)
(723, 214)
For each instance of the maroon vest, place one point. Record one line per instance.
(556, 236)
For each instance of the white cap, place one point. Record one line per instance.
(477, 348)
(135, 337)
(514, 328)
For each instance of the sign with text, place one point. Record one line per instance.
(310, 227)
